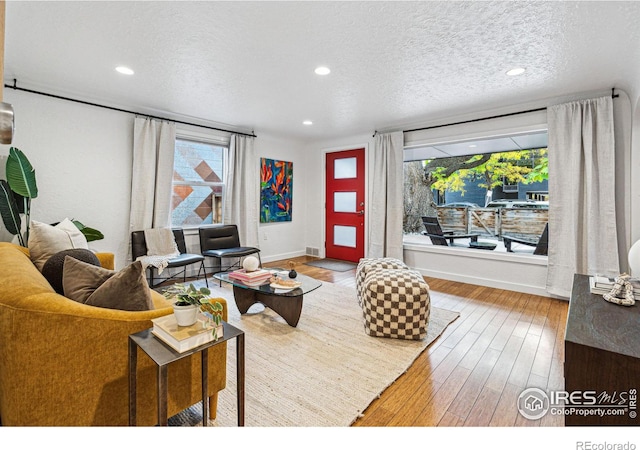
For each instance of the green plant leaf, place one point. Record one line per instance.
(20, 174)
(79, 225)
(9, 209)
(92, 234)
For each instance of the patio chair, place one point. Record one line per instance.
(541, 244)
(439, 237)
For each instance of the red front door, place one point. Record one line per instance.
(345, 205)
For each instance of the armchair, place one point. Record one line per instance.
(223, 241)
(139, 248)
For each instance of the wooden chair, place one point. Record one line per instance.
(139, 248)
(541, 244)
(439, 237)
(223, 241)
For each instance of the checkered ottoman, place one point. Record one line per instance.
(395, 303)
(366, 265)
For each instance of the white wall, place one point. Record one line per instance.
(315, 184)
(282, 240)
(82, 156)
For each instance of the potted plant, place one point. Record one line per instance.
(19, 185)
(213, 311)
(188, 301)
(16, 193)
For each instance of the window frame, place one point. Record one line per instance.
(201, 138)
(410, 149)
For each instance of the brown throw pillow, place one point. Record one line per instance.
(125, 290)
(80, 280)
(52, 269)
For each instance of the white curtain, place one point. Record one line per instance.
(242, 196)
(386, 202)
(582, 210)
(153, 149)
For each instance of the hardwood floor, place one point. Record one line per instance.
(472, 375)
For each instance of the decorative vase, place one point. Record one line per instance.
(185, 315)
(250, 263)
(293, 273)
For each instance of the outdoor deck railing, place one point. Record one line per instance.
(494, 222)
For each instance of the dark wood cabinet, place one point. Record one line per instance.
(602, 352)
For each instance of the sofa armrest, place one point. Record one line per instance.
(107, 260)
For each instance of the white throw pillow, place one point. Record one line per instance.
(46, 240)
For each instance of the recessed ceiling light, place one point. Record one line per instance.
(124, 70)
(473, 146)
(516, 71)
(307, 122)
(322, 70)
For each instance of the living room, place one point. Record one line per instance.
(83, 153)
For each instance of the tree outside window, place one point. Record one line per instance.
(424, 180)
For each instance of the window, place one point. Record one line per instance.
(486, 187)
(198, 183)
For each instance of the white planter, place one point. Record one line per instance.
(185, 315)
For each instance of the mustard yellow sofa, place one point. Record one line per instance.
(63, 363)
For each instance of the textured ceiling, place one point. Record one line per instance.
(250, 64)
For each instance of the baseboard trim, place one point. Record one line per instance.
(283, 256)
(496, 284)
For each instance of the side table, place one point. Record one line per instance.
(602, 354)
(163, 355)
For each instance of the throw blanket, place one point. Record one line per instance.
(161, 248)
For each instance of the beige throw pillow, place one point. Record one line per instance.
(95, 286)
(46, 240)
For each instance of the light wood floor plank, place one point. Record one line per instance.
(468, 395)
(438, 404)
(483, 409)
(472, 375)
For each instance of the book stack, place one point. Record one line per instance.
(180, 338)
(602, 285)
(254, 278)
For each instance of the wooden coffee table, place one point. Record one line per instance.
(288, 304)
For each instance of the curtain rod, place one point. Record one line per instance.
(613, 95)
(122, 110)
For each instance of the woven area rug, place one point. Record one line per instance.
(324, 372)
(332, 264)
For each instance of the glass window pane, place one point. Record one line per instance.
(196, 205)
(344, 168)
(345, 236)
(198, 162)
(344, 202)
